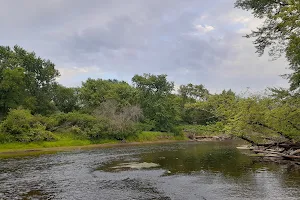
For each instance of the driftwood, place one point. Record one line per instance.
(291, 157)
(278, 150)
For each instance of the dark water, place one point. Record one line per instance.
(207, 171)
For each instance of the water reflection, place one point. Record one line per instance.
(211, 170)
(211, 156)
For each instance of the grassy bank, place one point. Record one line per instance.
(69, 141)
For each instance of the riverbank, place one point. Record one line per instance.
(67, 142)
(49, 150)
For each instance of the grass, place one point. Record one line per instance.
(62, 140)
(146, 136)
(70, 140)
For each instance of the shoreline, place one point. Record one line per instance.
(12, 152)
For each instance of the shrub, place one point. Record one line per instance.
(100, 130)
(6, 138)
(74, 119)
(177, 131)
(21, 125)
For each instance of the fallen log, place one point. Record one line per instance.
(275, 151)
(290, 157)
(268, 152)
(290, 145)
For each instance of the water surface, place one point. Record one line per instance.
(208, 170)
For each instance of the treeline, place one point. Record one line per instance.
(34, 107)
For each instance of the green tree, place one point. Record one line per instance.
(94, 92)
(217, 107)
(12, 90)
(65, 99)
(193, 92)
(159, 106)
(280, 31)
(35, 78)
(261, 118)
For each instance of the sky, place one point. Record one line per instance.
(192, 41)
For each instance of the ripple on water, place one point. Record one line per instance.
(213, 170)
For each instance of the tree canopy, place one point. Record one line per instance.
(26, 80)
(279, 33)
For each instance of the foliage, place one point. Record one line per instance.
(118, 123)
(217, 107)
(26, 80)
(159, 106)
(94, 92)
(210, 129)
(193, 92)
(148, 136)
(266, 118)
(22, 126)
(36, 109)
(280, 31)
(65, 99)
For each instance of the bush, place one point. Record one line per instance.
(5, 138)
(74, 122)
(146, 126)
(21, 125)
(177, 131)
(121, 133)
(100, 130)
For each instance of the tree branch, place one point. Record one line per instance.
(272, 129)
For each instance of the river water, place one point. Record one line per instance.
(207, 171)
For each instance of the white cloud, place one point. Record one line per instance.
(241, 19)
(205, 28)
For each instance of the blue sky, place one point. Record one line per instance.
(193, 41)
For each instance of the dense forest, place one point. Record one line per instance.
(34, 107)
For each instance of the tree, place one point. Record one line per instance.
(159, 106)
(280, 31)
(262, 118)
(194, 92)
(153, 85)
(65, 99)
(217, 107)
(35, 78)
(12, 90)
(94, 92)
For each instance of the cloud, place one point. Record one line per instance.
(205, 28)
(191, 41)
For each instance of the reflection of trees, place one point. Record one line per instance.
(291, 176)
(215, 158)
(209, 157)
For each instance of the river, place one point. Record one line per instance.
(205, 171)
